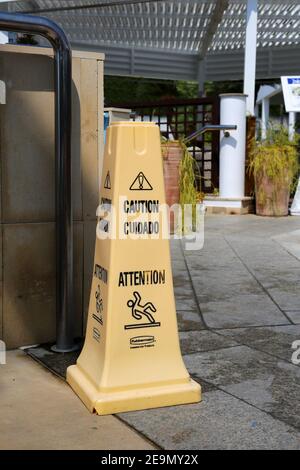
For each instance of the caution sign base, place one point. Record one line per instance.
(111, 402)
(131, 358)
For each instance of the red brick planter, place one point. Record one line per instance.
(172, 154)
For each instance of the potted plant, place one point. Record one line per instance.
(274, 165)
(179, 178)
(172, 153)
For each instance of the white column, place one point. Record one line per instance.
(250, 55)
(3, 37)
(233, 148)
(292, 122)
(265, 113)
(295, 208)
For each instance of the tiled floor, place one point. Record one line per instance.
(238, 304)
(243, 286)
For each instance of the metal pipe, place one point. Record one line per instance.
(210, 128)
(63, 199)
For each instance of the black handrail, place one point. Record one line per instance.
(211, 128)
(63, 199)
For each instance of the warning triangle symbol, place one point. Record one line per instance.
(107, 184)
(141, 183)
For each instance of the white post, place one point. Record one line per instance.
(265, 113)
(3, 37)
(232, 148)
(292, 122)
(250, 55)
(295, 207)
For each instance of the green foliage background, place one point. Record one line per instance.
(131, 89)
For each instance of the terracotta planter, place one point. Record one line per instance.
(271, 199)
(172, 154)
(250, 136)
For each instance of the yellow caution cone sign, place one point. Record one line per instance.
(131, 358)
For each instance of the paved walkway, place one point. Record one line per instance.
(238, 303)
(40, 411)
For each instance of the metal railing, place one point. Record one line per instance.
(211, 128)
(63, 200)
(180, 117)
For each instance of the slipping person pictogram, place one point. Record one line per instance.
(140, 311)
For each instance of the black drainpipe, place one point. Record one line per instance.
(63, 199)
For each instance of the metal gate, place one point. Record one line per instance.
(179, 118)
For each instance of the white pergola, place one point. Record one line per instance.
(182, 39)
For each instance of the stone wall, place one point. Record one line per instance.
(27, 210)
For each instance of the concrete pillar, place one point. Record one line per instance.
(233, 148)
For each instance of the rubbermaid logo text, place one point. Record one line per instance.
(142, 341)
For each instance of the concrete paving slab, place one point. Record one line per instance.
(205, 386)
(180, 278)
(277, 278)
(270, 384)
(251, 224)
(178, 262)
(275, 340)
(183, 287)
(287, 296)
(290, 241)
(175, 248)
(198, 341)
(242, 310)
(258, 404)
(185, 300)
(250, 389)
(242, 277)
(220, 421)
(189, 320)
(294, 316)
(40, 411)
(224, 283)
(215, 253)
(258, 252)
(282, 284)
